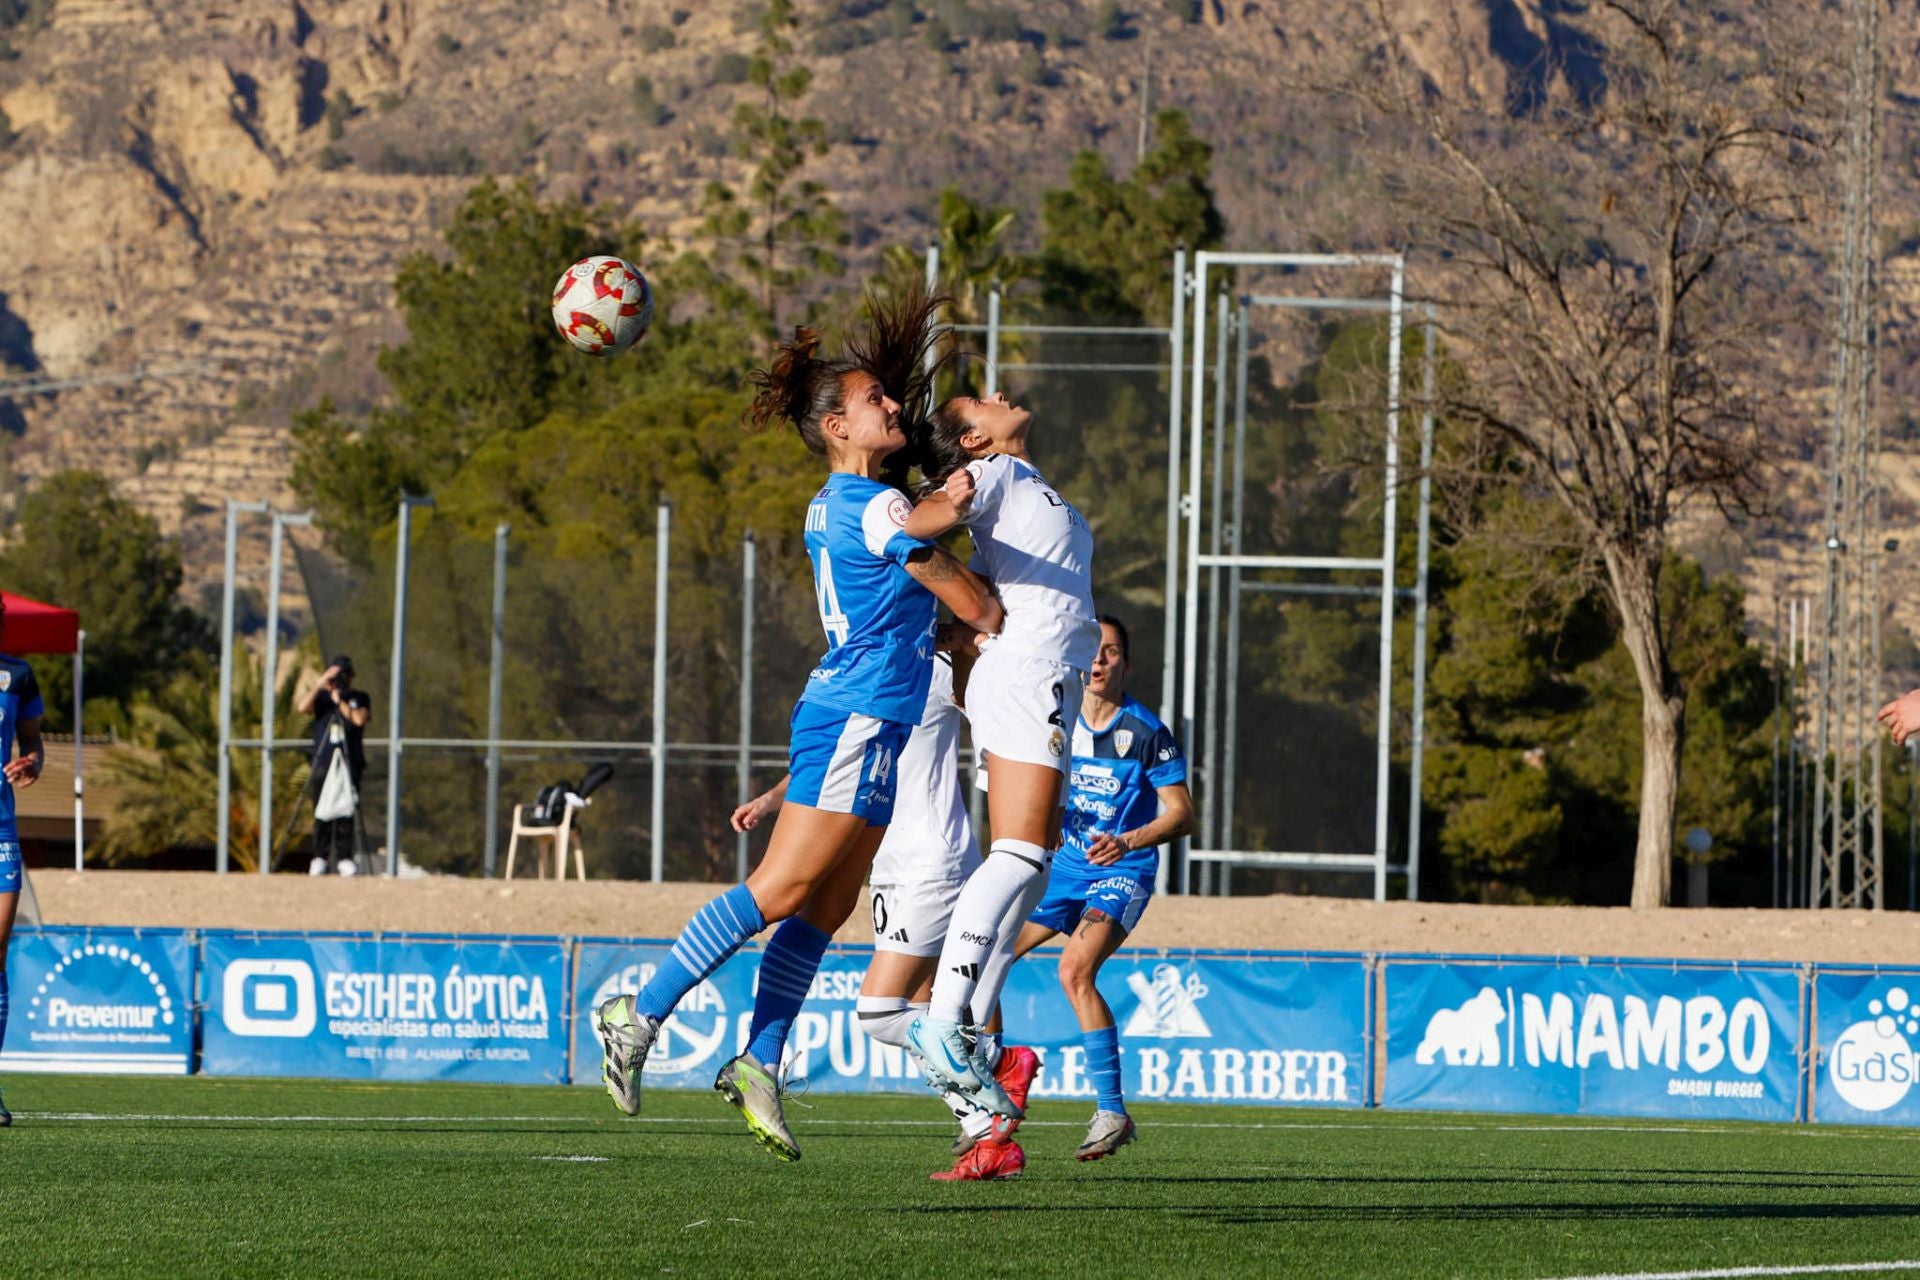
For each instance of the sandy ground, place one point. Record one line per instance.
(621, 909)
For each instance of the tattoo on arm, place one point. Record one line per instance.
(934, 565)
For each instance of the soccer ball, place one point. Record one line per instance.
(602, 305)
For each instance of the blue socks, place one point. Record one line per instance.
(1103, 1067)
(3, 1008)
(715, 932)
(786, 971)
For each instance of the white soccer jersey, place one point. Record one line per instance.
(930, 838)
(1038, 553)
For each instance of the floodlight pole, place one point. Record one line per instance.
(223, 819)
(496, 680)
(267, 708)
(397, 680)
(665, 532)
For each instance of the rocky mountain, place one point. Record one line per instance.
(216, 193)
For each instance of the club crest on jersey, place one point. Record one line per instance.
(1123, 740)
(6, 681)
(1057, 743)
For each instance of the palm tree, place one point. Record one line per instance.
(167, 774)
(975, 255)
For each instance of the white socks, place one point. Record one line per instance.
(979, 920)
(886, 1018)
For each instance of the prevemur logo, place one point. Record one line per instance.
(50, 1009)
(1872, 1064)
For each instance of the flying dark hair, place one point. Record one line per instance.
(937, 444)
(1126, 640)
(801, 388)
(896, 350)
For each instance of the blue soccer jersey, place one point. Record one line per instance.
(1116, 771)
(19, 700)
(878, 620)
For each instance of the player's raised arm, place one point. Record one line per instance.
(945, 509)
(957, 587)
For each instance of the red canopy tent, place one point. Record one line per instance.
(32, 626)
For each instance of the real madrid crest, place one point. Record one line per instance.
(1122, 740)
(1057, 742)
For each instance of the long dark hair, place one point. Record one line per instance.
(938, 446)
(801, 388)
(896, 347)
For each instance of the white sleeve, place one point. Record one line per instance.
(991, 476)
(883, 520)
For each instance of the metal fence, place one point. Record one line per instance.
(498, 666)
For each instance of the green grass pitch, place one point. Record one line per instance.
(203, 1177)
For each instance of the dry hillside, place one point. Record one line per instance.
(236, 182)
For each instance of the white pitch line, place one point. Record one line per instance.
(1732, 1273)
(1272, 1125)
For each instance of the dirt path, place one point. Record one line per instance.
(621, 909)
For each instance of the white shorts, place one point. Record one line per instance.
(1020, 705)
(911, 919)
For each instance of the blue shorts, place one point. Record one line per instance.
(9, 866)
(843, 762)
(1121, 897)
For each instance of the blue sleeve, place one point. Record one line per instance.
(31, 707)
(1166, 764)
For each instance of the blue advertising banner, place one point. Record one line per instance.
(385, 1008)
(100, 1000)
(1865, 1064)
(1206, 1027)
(1605, 1037)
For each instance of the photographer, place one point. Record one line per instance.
(340, 713)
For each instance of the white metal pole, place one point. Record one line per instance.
(224, 793)
(744, 785)
(1210, 787)
(993, 340)
(660, 692)
(496, 670)
(275, 553)
(79, 749)
(1169, 638)
(397, 679)
(1389, 515)
(933, 284)
(1428, 357)
(1190, 645)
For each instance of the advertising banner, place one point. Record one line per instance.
(1865, 1066)
(1202, 1027)
(100, 1000)
(398, 1008)
(1688, 1039)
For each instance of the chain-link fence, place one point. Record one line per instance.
(528, 656)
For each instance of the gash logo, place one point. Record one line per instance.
(692, 1033)
(1169, 1009)
(1872, 1063)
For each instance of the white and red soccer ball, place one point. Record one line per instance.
(602, 305)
